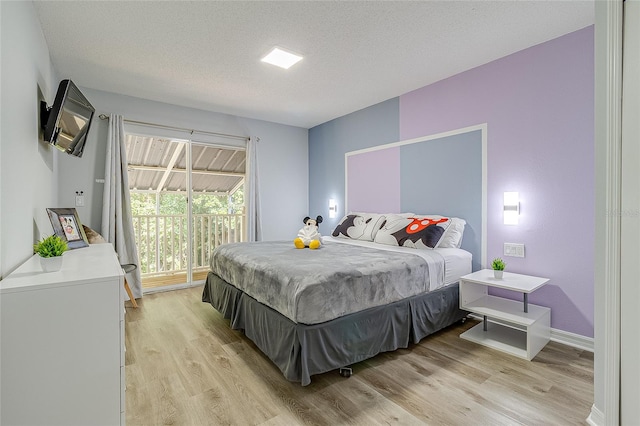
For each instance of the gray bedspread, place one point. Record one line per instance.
(314, 286)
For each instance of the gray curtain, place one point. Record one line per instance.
(117, 222)
(254, 227)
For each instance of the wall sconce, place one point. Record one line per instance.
(511, 208)
(333, 208)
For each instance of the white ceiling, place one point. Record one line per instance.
(206, 54)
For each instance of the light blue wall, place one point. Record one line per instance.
(27, 166)
(328, 142)
(282, 159)
(437, 175)
(444, 176)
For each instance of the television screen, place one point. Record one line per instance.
(68, 119)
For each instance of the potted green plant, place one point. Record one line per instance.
(50, 250)
(498, 266)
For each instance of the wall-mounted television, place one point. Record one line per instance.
(66, 123)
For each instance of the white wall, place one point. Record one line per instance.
(282, 159)
(27, 167)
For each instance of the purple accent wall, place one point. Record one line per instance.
(373, 181)
(539, 108)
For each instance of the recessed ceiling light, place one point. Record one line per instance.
(282, 59)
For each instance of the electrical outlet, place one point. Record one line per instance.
(79, 200)
(513, 250)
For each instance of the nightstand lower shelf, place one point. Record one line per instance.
(523, 342)
(511, 326)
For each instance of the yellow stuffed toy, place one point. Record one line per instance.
(309, 236)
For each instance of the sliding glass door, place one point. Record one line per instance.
(187, 198)
(217, 201)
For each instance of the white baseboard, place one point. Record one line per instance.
(559, 336)
(596, 418)
(572, 339)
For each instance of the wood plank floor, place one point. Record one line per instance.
(185, 366)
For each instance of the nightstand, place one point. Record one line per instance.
(518, 328)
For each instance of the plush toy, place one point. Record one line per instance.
(309, 236)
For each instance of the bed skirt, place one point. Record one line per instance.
(301, 350)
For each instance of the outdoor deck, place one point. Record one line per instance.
(163, 245)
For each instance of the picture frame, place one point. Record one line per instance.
(66, 224)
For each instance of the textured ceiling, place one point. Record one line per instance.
(206, 54)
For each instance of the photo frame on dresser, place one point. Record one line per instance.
(66, 224)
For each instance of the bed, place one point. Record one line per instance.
(313, 311)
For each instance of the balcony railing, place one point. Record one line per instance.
(162, 240)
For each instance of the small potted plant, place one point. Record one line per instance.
(498, 266)
(50, 250)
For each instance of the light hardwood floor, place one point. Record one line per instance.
(185, 366)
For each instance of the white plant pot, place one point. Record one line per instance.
(51, 264)
(497, 274)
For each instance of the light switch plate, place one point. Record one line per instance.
(513, 250)
(79, 200)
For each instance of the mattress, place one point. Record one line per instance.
(456, 261)
(340, 278)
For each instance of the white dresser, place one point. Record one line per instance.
(62, 341)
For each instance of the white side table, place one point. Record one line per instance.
(518, 328)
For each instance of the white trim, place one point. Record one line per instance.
(630, 218)
(190, 235)
(571, 339)
(608, 201)
(346, 186)
(483, 131)
(596, 417)
(482, 127)
(611, 355)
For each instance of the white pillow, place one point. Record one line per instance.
(415, 231)
(452, 237)
(359, 226)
